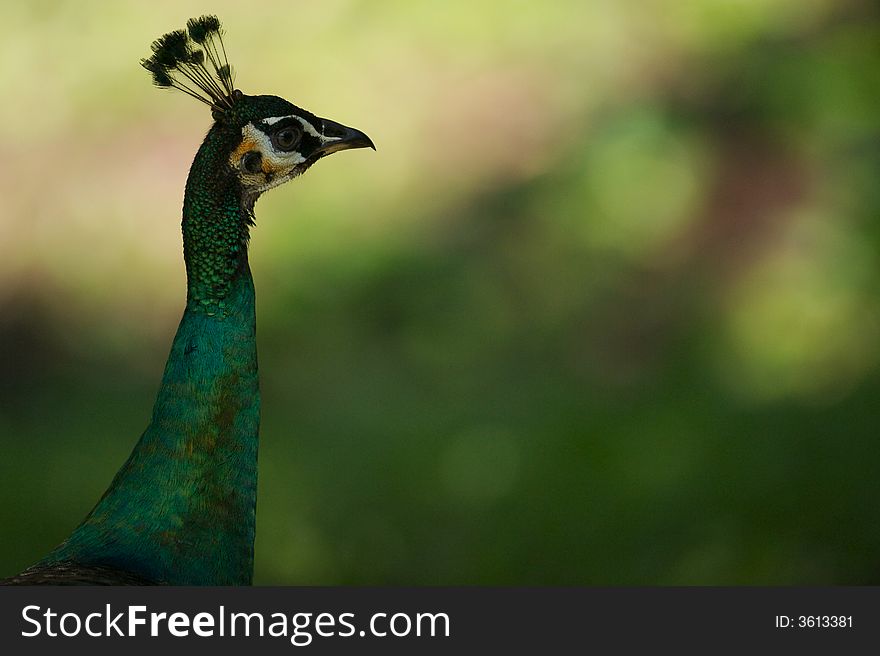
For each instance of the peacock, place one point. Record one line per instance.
(182, 509)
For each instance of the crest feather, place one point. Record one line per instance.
(181, 61)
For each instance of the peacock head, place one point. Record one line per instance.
(266, 139)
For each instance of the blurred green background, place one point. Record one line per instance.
(602, 309)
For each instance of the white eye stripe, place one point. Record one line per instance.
(259, 138)
(308, 127)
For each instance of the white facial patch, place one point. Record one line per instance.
(277, 167)
(262, 143)
(307, 127)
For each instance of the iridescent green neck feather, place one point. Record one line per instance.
(215, 224)
(182, 508)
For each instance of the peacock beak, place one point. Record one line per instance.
(336, 137)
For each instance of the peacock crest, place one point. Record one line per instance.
(194, 61)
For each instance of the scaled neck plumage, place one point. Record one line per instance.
(182, 508)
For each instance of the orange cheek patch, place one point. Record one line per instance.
(269, 168)
(245, 146)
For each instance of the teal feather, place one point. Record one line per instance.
(182, 509)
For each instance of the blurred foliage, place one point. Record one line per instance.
(602, 309)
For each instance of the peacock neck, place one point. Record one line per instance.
(182, 508)
(215, 225)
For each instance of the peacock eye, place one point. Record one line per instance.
(286, 138)
(252, 162)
